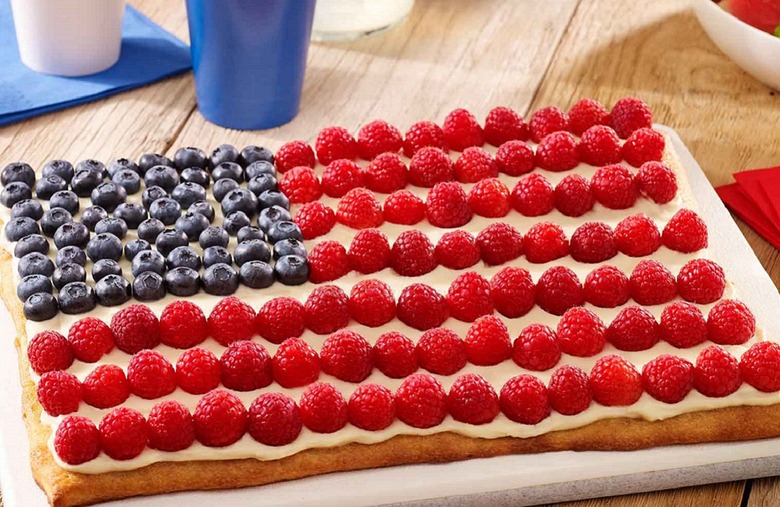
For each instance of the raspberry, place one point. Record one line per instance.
(585, 114)
(386, 173)
(198, 371)
(637, 236)
(420, 401)
(245, 366)
(421, 307)
(717, 372)
(760, 366)
(49, 351)
(300, 185)
(683, 325)
(412, 254)
(315, 219)
(295, 363)
(327, 309)
(280, 318)
(394, 355)
(615, 187)
(524, 400)
(359, 209)
(599, 146)
(231, 320)
(323, 408)
(499, 242)
(77, 440)
(536, 348)
(701, 281)
(462, 130)
(569, 391)
(182, 325)
(123, 433)
(559, 289)
(557, 152)
(545, 242)
(546, 121)
(668, 378)
(430, 166)
(339, 177)
(606, 287)
(581, 333)
(573, 196)
(378, 137)
(59, 392)
(657, 182)
(730, 322)
(105, 386)
(403, 207)
(593, 242)
(135, 328)
(447, 205)
(652, 284)
(294, 154)
(469, 297)
(369, 251)
(347, 356)
(633, 329)
(90, 339)
(441, 351)
(150, 375)
(489, 198)
(457, 250)
(220, 419)
(513, 292)
(615, 382)
(472, 400)
(328, 261)
(171, 427)
(423, 134)
(533, 195)
(686, 232)
(274, 419)
(371, 407)
(334, 143)
(371, 303)
(503, 124)
(643, 145)
(487, 341)
(514, 158)
(630, 114)
(475, 164)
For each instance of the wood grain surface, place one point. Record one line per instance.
(474, 54)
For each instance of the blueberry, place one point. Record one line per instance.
(115, 226)
(204, 208)
(182, 281)
(213, 236)
(31, 243)
(92, 215)
(27, 208)
(190, 157)
(104, 246)
(223, 153)
(149, 229)
(188, 193)
(216, 255)
(52, 220)
(240, 199)
(85, 181)
(220, 280)
(68, 273)
(133, 247)
(40, 307)
(273, 198)
(183, 256)
(108, 195)
(261, 183)
(161, 176)
(252, 154)
(18, 171)
(192, 224)
(256, 274)
(291, 270)
(47, 186)
(151, 194)
(222, 187)
(96, 166)
(35, 263)
(270, 216)
(128, 179)
(17, 228)
(148, 286)
(284, 230)
(33, 284)
(255, 169)
(250, 232)
(71, 255)
(61, 168)
(122, 164)
(71, 234)
(132, 213)
(148, 260)
(149, 160)
(196, 175)
(289, 247)
(228, 170)
(170, 239)
(251, 250)
(235, 221)
(112, 290)
(165, 210)
(65, 199)
(77, 297)
(105, 267)
(14, 192)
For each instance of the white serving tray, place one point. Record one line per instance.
(505, 480)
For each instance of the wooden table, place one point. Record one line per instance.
(474, 54)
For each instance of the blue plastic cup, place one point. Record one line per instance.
(249, 59)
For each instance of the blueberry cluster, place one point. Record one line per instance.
(153, 233)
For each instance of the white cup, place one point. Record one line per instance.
(69, 37)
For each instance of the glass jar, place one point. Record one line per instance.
(343, 20)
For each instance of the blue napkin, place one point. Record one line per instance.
(149, 54)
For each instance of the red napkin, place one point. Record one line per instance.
(755, 198)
